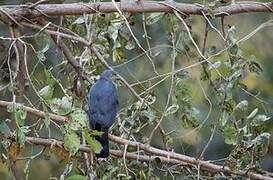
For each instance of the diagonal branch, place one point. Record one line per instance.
(70, 58)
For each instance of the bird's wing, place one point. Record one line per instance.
(103, 104)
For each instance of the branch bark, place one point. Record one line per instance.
(20, 71)
(25, 11)
(179, 158)
(70, 58)
(116, 153)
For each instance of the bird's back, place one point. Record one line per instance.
(103, 104)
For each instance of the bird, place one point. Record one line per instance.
(103, 108)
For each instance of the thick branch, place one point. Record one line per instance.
(24, 11)
(116, 153)
(38, 113)
(205, 165)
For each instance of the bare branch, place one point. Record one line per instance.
(70, 58)
(38, 113)
(147, 158)
(19, 11)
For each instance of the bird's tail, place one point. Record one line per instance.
(103, 139)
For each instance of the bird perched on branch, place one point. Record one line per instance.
(103, 107)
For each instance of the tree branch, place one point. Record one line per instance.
(70, 58)
(53, 142)
(180, 158)
(20, 12)
(20, 71)
(38, 113)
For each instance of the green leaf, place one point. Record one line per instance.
(90, 139)
(95, 133)
(260, 119)
(224, 118)
(77, 177)
(20, 137)
(172, 109)
(46, 92)
(113, 30)
(231, 36)
(235, 50)
(150, 99)
(235, 75)
(49, 77)
(41, 53)
(260, 140)
(4, 128)
(80, 20)
(149, 114)
(153, 18)
(25, 129)
(215, 65)
(172, 23)
(184, 75)
(72, 142)
(242, 105)
(254, 65)
(19, 113)
(118, 54)
(231, 42)
(78, 120)
(252, 114)
(10, 108)
(230, 135)
(130, 44)
(61, 106)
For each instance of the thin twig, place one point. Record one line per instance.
(134, 37)
(170, 91)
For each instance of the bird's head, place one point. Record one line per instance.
(108, 75)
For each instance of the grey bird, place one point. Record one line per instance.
(103, 108)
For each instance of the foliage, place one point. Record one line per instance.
(191, 93)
